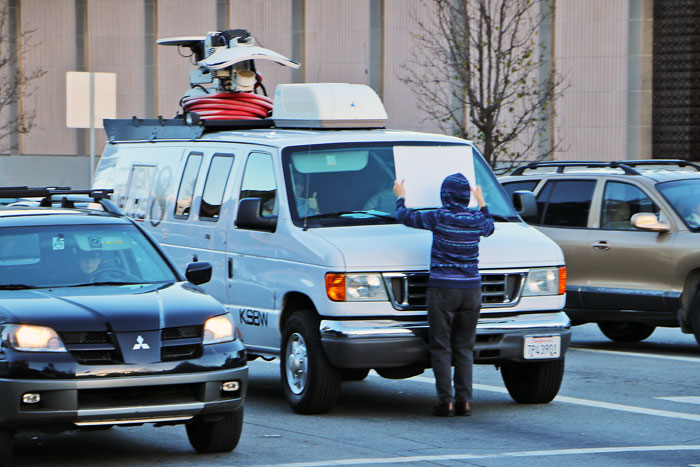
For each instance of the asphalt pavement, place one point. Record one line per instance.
(619, 405)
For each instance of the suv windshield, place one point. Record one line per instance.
(684, 196)
(352, 184)
(78, 255)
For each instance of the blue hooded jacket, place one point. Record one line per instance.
(456, 232)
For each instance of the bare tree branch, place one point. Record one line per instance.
(16, 84)
(485, 61)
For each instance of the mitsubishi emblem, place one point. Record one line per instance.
(141, 344)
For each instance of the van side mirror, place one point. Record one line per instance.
(648, 221)
(198, 273)
(525, 204)
(249, 217)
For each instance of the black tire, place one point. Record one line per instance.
(626, 332)
(695, 317)
(216, 436)
(310, 383)
(355, 374)
(6, 444)
(533, 382)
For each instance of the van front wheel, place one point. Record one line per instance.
(533, 382)
(310, 383)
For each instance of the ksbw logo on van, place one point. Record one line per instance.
(252, 317)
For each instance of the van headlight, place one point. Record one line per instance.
(32, 338)
(355, 287)
(219, 329)
(545, 281)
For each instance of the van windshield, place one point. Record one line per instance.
(352, 184)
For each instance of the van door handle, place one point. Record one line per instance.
(601, 245)
(230, 268)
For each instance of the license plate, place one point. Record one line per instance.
(542, 347)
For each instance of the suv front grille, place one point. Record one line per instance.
(92, 347)
(101, 348)
(408, 291)
(181, 343)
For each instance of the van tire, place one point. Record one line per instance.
(533, 382)
(216, 436)
(626, 332)
(695, 317)
(312, 384)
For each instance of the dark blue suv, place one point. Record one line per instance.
(99, 328)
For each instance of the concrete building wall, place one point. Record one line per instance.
(603, 48)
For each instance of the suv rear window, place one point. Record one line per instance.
(565, 203)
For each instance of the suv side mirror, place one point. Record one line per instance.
(525, 204)
(249, 216)
(649, 221)
(198, 273)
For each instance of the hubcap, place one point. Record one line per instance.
(297, 363)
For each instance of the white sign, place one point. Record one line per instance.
(78, 95)
(424, 168)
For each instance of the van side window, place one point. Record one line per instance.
(259, 182)
(620, 202)
(213, 194)
(566, 203)
(186, 189)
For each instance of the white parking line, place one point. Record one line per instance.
(588, 402)
(467, 456)
(684, 399)
(636, 354)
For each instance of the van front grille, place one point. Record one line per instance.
(408, 291)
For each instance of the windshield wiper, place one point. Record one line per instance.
(17, 287)
(329, 215)
(500, 218)
(89, 284)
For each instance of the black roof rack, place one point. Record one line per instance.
(671, 162)
(151, 129)
(67, 196)
(561, 165)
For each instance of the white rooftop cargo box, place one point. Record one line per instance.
(327, 105)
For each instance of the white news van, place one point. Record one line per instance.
(333, 287)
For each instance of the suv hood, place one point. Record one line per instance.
(109, 308)
(397, 247)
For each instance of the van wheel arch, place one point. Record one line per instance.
(291, 303)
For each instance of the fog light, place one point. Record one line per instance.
(230, 386)
(31, 398)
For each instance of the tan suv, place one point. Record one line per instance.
(630, 232)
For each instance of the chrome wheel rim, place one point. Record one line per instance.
(297, 366)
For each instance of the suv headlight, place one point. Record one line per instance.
(219, 329)
(366, 287)
(32, 338)
(545, 281)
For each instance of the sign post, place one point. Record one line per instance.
(90, 98)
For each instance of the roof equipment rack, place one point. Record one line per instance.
(151, 129)
(561, 165)
(67, 196)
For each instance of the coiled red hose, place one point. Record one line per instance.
(229, 106)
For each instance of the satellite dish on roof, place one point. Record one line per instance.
(223, 58)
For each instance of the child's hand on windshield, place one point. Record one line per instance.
(399, 189)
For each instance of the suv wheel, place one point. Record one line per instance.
(310, 383)
(6, 442)
(695, 316)
(533, 382)
(216, 436)
(626, 332)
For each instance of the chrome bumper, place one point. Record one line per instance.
(391, 343)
